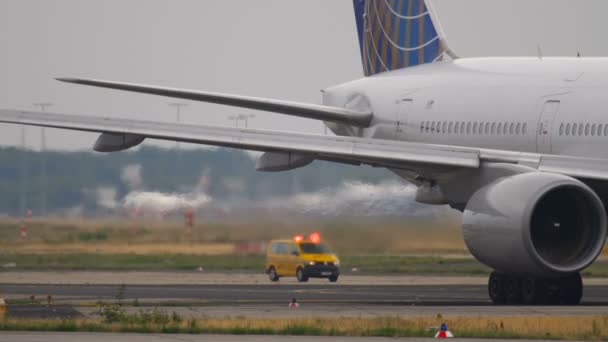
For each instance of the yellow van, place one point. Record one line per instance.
(302, 258)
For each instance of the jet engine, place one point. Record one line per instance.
(113, 142)
(535, 224)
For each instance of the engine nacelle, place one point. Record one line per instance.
(113, 142)
(536, 224)
(282, 161)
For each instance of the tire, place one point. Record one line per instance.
(512, 288)
(272, 274)
(333, 278)
(495, 288)
(530, 290)
(572, 290)
(301, 276)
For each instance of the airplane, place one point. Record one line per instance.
(516, 144)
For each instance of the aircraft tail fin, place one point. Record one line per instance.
(396, 34)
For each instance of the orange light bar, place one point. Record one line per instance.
(298, 238)
(315, 237)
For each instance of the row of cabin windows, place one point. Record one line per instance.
(488, 128)
(583, 129)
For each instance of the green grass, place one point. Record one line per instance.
(366, 264)
(529, 327)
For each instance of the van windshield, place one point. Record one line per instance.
(314, 248)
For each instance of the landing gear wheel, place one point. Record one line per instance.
(272, 274)
(333, 278)
(571, 289)
(495, 288)
(530, 289)
(300, 275)
(512, 288)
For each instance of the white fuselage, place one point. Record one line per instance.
(549, 106)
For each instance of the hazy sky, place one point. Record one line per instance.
(286, 49)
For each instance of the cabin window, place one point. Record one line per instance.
(574, 127)
(605, 130)
(580, 129)
(505, 128)
(487, 130)
(586, 129)
(568, 129)
(433, 127)
(499, 128)
(456, 127)
(524, 128)
(512, 128)
(518, 128)
(469, 127)
(599, 130)
(561, 129)
(450, 127)
(493, 128)
(475, 128)
(593, 130)
(444, 130)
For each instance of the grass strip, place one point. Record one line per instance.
(365, 264)
(592, 328)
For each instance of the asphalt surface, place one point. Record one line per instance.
(425, 295)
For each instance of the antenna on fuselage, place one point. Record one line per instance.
(539, 51)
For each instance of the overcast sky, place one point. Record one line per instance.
(286, 49)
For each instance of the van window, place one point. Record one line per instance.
(293, 249)
(274, 249)
(309, 247)
(283, 248)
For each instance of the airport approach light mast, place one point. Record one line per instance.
(178, 119)
(244, 117)
(43, 176)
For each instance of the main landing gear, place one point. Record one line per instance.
(508, 289)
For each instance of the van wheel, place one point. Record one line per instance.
(272, 274)
(333, 278)
(300, 275)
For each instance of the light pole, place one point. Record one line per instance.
(43, 177)
(178, 119)
(244, 117)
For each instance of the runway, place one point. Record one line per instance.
(314, 299)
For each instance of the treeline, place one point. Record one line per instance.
(71, 176)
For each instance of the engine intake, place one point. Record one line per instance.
(538, 224)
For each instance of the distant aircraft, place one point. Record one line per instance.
(517, 144)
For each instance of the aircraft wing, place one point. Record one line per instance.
(375, 152)
(360, 118)
(350, 150)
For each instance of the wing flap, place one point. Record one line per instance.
(369, 151)
(306, 110)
